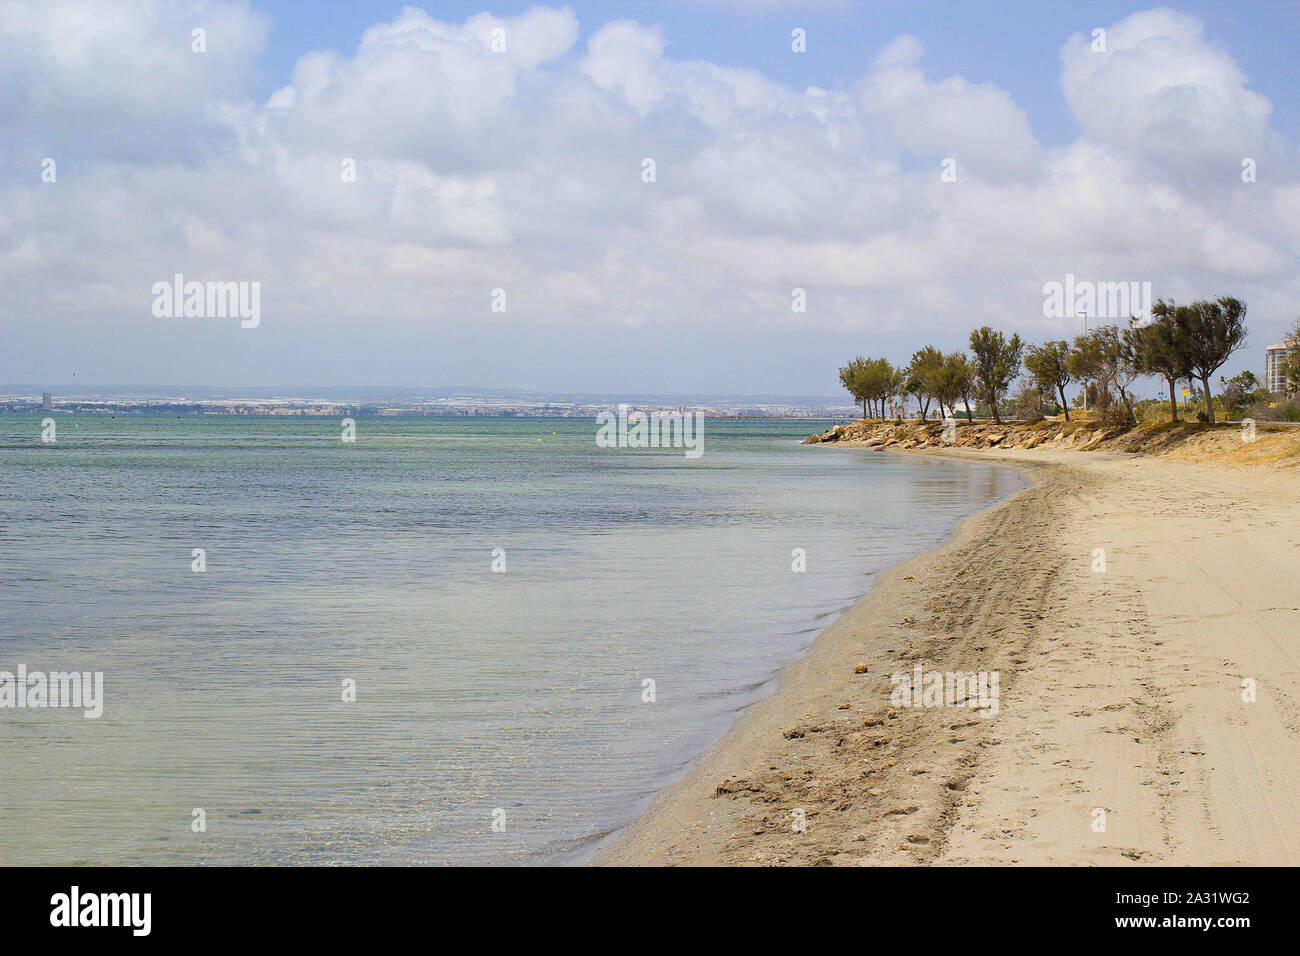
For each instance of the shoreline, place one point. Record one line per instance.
(1119, 692)
(800, 684)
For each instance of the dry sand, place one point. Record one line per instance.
(1120, 690)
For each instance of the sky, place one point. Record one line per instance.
(454, 194)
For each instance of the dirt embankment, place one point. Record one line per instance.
(1231, 443)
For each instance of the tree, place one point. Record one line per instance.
(949, 381)
(1244, 380)
(1049, 364)
(910, 387)
(853, 378)
(1210, 333)
(882, 382)
(1240, 390)
(997, 363)
(1107, 355)
(1291, 363)
(894, 387)
(926, 368)
(1131, 365)
(1029, 398)
(959, 372)
(870, 381)
(1158, 350)
(1121, 361)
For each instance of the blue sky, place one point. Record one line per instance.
(522, 170)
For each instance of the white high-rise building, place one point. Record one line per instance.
(1275, 379)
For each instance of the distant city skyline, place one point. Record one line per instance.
(376, 393)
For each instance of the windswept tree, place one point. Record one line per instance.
(959, 376)
(952, 381)
(1086, 364)
(1158, 350)
(1210, 333)
(926, 370)
(854, 379)
(947, 386)
(997, 363)
(1291, 362)
(894, 386)
(1107, 356)
(1123, 360)
(1241, 390)
(910, 387)
(1049, 364)
(1029, 398)
(873, 382)
(882, 383)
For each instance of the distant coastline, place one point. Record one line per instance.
(293, 409)
(372, 400)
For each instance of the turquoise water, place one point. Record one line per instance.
(476, 691)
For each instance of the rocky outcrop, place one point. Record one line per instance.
(1193, 440)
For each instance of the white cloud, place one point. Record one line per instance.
(976, 124)
(763, 6)
(522, 169)
(123, 79)
(625, 56)
(1161, 91)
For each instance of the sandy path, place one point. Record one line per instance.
(1119, 690)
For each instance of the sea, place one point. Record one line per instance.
(476, 641)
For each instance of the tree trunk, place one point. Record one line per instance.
(925, 406)
(864, 408)
(1173, 401)
(966, 401)
(1064, 407)
(1209, 400)
(993, 405)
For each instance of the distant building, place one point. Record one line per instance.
(47, 401)
(1275, 379)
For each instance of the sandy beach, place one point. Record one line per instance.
(1121, 734)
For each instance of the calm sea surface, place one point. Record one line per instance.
(476, 691)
